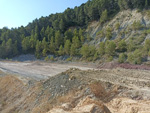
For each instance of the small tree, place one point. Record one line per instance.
(108, 33)
(67, 47)
(72, 50)
(101, 49)
(44, 52)
(61, 51)
(122, 58)
(104, 17)
(135, 57)
(85, 51)
(122, 46)
(117, 26)
(110, 48)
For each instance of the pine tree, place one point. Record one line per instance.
(42, 33)
(76, 42)
(67, 47)
(85, 52)
(62, 25)
(58, 39)
(104, 17)
(110, 48)
(52, 45)
(26, 44)
(101, 48)
(61, 51)
(44, 44)
(38, 51)
(47, 31)
(72, 50)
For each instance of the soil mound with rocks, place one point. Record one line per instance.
(77, 91)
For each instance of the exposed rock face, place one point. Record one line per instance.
(125, 19)
(126, 105)
(87, 105)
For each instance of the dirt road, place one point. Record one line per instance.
(37, 70)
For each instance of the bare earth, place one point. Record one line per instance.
(87, 89)
(37, 70)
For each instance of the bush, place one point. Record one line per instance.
(149, 53)
(135, 57)
(110, 48)
(104, 17)
(137, 25)
(122, 46)
(46, 58)
(131, 46)
(122, 58)
(52, 58)
(85, 52)
(117, 26)
(101, 49)
(101, 34)
(109, 59)
(108, 33)
(98, 90)
(95, 56)
(69, 59)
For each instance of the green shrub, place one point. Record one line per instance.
(95, 56)
(69, 59)
(149, 53)
(135, 57)
(109, 59)
(148, 31)
(117, 26)
(131, 46)
(148, 13)
(104, 17)
(110, 47)
(101, 34)
(108, 33)
(101, 49)
(52, 58)
(46, 58)
(137, 25)
(122, 58)
(122, 46)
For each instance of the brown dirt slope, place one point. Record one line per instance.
(76, 91)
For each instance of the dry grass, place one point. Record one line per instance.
(98, 90)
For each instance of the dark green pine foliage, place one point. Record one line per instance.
(55, 29)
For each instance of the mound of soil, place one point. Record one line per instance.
(112, 65)
(78, 91)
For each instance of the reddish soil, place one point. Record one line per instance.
(112, 65)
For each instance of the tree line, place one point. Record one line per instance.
(62, 33)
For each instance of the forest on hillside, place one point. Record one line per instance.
(64, 33)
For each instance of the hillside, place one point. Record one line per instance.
(66, 33)
(94, 58)
(123, 26)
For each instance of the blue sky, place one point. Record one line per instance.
(14, 13)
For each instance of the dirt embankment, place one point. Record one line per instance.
(77, 91)
(113, 65)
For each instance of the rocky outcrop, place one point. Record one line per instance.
(126, 105)
(124, 19)
(87, 105)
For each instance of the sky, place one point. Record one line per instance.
(15, 13)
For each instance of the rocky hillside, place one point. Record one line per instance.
(127, 24)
